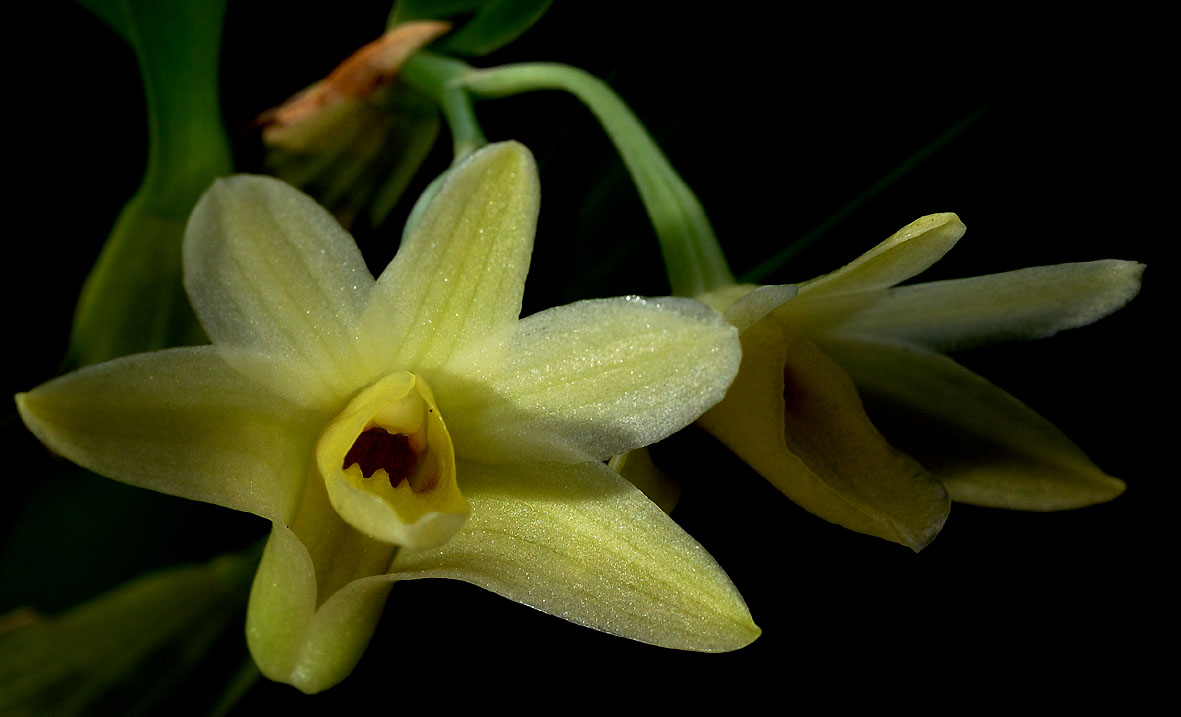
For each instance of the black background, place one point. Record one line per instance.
(777, 121)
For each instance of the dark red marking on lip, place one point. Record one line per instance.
(378, 448)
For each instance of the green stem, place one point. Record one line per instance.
(437, 77)
(692, 256)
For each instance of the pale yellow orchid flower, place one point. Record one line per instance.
(412, 426)
(813, 352)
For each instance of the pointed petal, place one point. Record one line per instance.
(295, 634)
(962, 313)
(987, 447)
(269, 270)
(594, 379)
(460, 273)
(910, 251)
(180, 422)
(581, 543)
(744, 305)
(795, 417)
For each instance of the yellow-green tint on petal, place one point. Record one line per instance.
(581, 543)
(910, 251)
(181, 422)
(594, 379)
(987, 447)
(962, 313)
(270, 271)
(305, 635)
(745, 305)
(641, 471)
(795, 417)
(389, 466)
(459, 275)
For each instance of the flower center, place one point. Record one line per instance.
(389, 467)
(396, 443)
(377, 449)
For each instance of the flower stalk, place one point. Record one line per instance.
(439, 77)
(693, 258)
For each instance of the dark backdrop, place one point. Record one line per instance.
(777, 121)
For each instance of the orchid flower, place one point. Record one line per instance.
(412, 426)
(813, 352)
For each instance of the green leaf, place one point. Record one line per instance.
(493, 23)
(113, 12)
(132, 301)
(119, 653)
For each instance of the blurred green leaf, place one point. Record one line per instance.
(493, 23)
(113, 13)
(122, 652)
(133, 300)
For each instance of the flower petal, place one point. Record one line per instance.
(795, 417)
(910, 251)
(297, 634)
(460, 273)
(593, 379)
(181, 422)
(268, 269)
(987, 447)
(581, 543)
(745, 305)
(962, 313)
(638, 468)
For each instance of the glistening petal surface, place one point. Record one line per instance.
(301, 637)
(181, 422)
(908, 252)
(986, 447)
(962, 313)
(593, 379)
(460, 272)
(269, 270)
(581, 543)
(795, 417)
